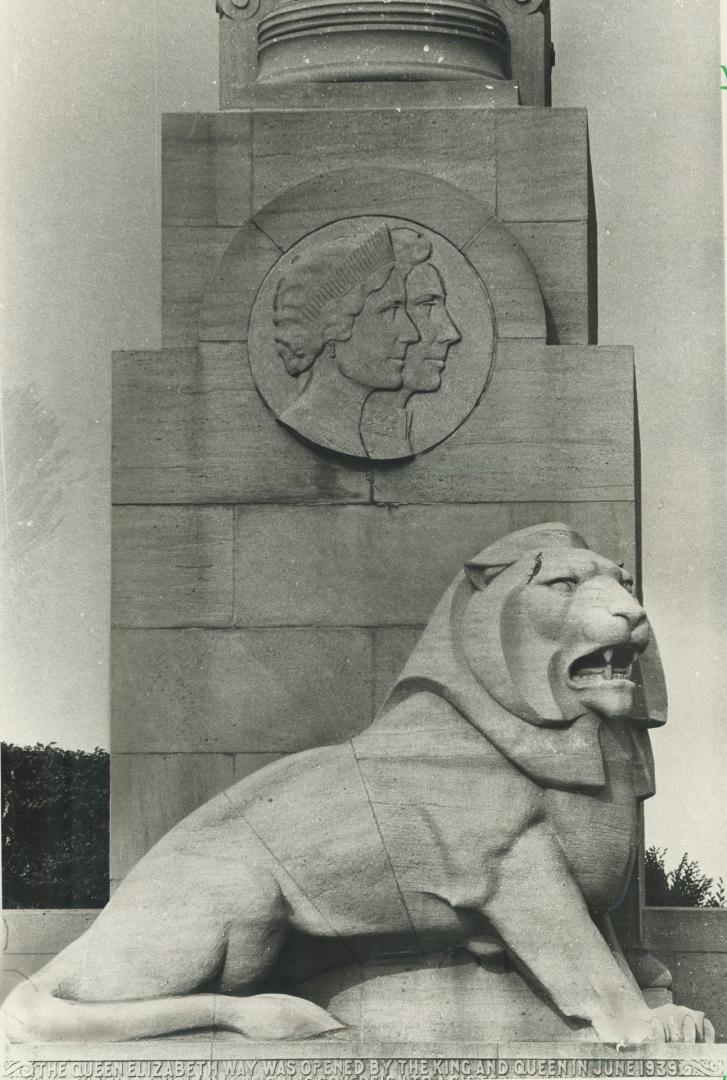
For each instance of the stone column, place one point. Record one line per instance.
(264, 43)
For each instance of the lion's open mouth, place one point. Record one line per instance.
(613, 663)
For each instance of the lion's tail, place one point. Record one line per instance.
(32, 1013)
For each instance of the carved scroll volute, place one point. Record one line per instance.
(238, 47)
(531, 51)
(232, 8)
(240, 10)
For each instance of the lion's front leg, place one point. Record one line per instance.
(539, 911)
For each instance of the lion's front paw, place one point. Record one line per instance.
(668, 1023)
(274, 1016)
(675, 1023)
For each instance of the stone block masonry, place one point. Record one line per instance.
(266, 591)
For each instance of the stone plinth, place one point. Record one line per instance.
(215, 1056)
(692, 941)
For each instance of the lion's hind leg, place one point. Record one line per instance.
(168, 931)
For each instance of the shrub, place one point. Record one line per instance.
(55, 816)
(686, 886)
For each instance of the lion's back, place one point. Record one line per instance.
(308, 822)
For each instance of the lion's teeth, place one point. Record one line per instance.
(608, 655)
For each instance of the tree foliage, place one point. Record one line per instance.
(685, 886)
(55, 816)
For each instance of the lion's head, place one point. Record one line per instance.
(551, 629)
(538, 628)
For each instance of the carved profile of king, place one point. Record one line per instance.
(342, 330)
(387, 422)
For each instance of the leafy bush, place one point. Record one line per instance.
(55, 817)
(686, 886)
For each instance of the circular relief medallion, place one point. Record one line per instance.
(372, 337)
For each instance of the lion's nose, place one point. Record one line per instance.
(627, 607)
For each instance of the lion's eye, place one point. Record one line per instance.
(562, 584)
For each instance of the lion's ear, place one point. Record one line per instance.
(481, 574)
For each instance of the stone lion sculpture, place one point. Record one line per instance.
(491, 807)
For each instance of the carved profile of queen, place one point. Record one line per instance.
(342, 330)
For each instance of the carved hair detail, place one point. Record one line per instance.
(411, 248)
(374, 253)
(318, 298)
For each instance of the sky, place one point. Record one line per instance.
(86, 84)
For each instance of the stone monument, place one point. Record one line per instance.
(379, 358)
(490, 810)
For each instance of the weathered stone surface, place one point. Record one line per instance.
(230, 293)
(32, 938)
(542, 164)
(426, 96)
(245, 764)
(510, 280)
(559, 254)
(394, 561)
(373, 191)
(511, 1058)
(243, 691)
(224, 355)
(151, 792)
(191, 428)
(206, 168)
(555, 424)
(189, 257)
(390, 1006)
(680, 930)
(43, 931)
(193, 1046)
(458, 146)
(16, 969)
(392, 648)
(610, 527)
(172, 566)
(360, 566)
(692, 942)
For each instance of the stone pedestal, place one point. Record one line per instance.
(221, 1056)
